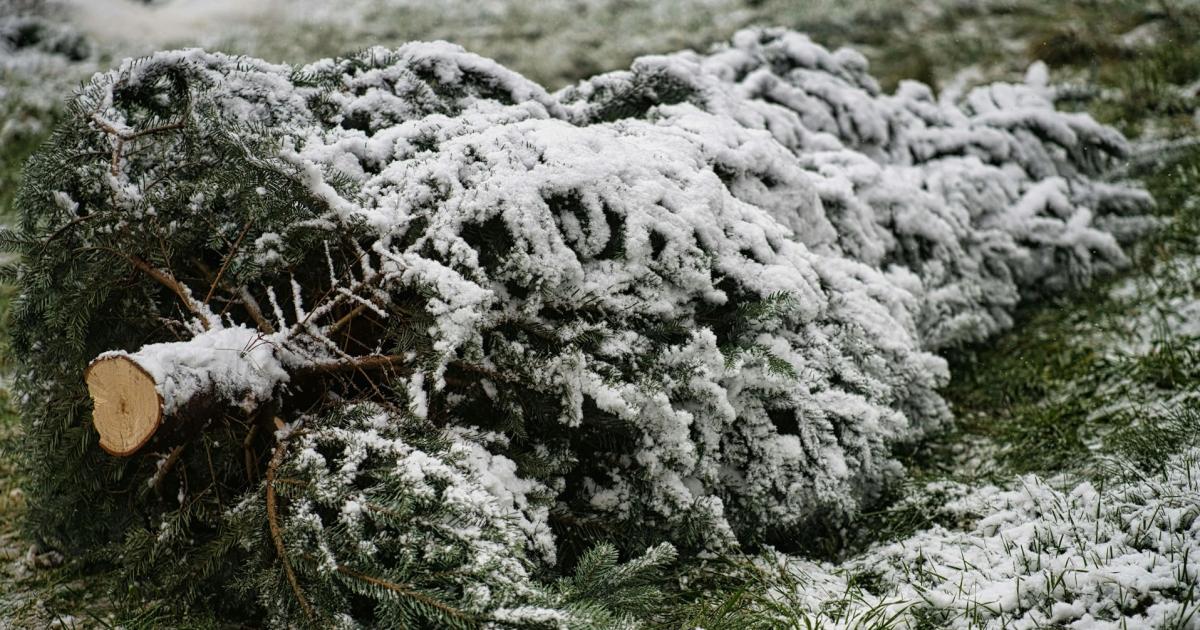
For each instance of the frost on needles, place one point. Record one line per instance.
(380, 297)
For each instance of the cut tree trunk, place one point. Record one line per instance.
(186, 384)
(182, 385)
(133, 403)
(127, 408)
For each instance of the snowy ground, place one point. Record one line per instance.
(1067, 492)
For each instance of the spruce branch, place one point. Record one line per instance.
(409, 592)
(67, 226)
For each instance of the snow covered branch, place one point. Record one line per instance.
(708, 290)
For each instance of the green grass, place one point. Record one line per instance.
(1047, 392)
(13, 154)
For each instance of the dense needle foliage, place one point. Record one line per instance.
(490, 326)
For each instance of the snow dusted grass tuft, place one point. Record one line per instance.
(1088, 369)
(1038, 554)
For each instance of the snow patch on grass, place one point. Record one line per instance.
(1035, 553)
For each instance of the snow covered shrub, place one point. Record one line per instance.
(694, 302)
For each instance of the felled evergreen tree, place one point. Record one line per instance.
(983, 200)
(398, 337)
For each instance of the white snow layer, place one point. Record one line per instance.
(894, 225)
(236, 364)
(1035, 556)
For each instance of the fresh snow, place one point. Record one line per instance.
(1036, 554)
(235, 364)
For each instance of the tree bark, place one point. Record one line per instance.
(134, 394)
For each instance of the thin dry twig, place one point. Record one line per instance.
(169, 463)
(123, 137)
(345, 319)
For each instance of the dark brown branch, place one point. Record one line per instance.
(167, 280)
(63, 230)
(153, 130)
(277, 532)
(248, 451)
(247, 300)
(212, 474)
(372, 362)
(339, 324)
(225, 264)
(161, 475)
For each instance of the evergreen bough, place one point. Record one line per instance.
(422, 334)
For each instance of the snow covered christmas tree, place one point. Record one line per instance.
(399, 337)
